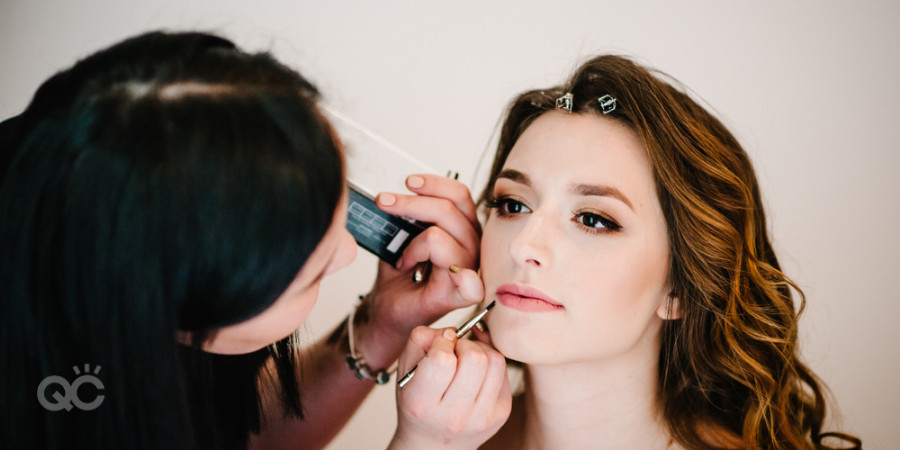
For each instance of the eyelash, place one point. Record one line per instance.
(501, 205)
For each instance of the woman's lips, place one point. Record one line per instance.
(527, 299)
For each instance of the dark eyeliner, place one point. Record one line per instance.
(501, 203)
(609, 225)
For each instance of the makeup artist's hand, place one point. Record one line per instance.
(459, 397)
(396, 303)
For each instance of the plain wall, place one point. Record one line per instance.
(809, 87)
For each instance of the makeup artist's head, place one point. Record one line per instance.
(170, 184)
(643, 231)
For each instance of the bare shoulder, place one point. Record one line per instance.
(509, 437)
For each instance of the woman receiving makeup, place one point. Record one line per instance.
(637, 286)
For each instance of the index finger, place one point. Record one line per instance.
(417, 346)
(449, 188)
(438, 365)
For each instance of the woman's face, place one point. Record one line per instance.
(336, 250)
(575, 249)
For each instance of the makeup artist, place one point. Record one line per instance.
(170, 207)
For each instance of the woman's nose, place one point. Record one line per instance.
(531, 246)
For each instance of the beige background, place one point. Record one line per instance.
(810, 87)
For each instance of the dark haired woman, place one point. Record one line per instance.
(170, 206)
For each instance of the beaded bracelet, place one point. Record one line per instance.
(357, 363)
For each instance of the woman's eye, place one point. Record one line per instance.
(596, 222)
(508, 206)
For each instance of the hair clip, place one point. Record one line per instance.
(607, 104)
(565, 102)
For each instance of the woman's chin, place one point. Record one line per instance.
(512, 343)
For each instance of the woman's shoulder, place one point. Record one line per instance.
(509, 437)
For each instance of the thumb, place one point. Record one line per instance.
(468, 285)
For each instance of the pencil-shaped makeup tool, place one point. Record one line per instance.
(459, 333)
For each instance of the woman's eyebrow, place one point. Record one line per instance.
(578, 189)
(601, 191)
(515, 175)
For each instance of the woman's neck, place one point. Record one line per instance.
(581, 407)
(595, 404)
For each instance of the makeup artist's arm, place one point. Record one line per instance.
(459, 397)
(330, 392)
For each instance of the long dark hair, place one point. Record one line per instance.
(170, 182)
(729, 366)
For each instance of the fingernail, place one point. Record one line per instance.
(449, 335)
(386, 199)
(479, 326)
(415, 181)
(455, 269)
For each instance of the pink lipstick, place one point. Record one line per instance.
(525, 298)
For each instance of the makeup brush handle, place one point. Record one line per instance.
(409, 375)
(459, 333)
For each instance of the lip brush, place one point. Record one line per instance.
(460, 333)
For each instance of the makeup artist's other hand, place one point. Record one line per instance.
(459, 396)
(396, 304)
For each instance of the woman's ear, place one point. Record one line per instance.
(669, 308)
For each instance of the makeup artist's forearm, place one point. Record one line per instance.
(329, 391)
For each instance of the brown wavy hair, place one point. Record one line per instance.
(729, 366)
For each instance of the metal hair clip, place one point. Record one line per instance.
(565, 102)
(607, 104)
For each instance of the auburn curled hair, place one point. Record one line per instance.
(728, 367)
